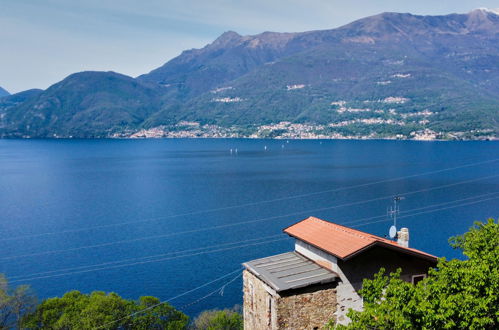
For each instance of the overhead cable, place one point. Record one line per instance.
(244, 222)
(248, 204)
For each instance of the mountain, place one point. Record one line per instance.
(11, 101)
(388, 75)
(3, 92)
(443, 65)
(86, 104)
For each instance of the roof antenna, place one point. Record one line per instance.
(392, 212)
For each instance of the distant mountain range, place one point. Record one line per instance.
(386, 76)
(3, 92)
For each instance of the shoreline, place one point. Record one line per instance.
(489, 139)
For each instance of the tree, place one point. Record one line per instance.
(161, 316)
(76, 310)
(458, 294)
(14, 304)
(219, 320)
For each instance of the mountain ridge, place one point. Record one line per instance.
(333, 80)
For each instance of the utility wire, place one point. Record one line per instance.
(251, 203)
(244, 222)
(220, 289)
(147, 261)
(146, 257)
(238, 242)
(211, 250)
(430, 211)
(170, 299)
(423, 208)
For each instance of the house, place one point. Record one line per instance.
(320, 280)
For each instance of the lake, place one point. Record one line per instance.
(162, 217)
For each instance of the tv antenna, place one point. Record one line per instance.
(392, 212)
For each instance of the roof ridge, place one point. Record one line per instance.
(353, 240)
(348, 230)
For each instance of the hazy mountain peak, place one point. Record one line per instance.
(227, 38)
(384, 25)
(273, 39)
(267, 38)
(388, 25)
(3, 92)
(494, 11)
(483, 19)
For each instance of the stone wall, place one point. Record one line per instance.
(308, 308)
(258, 304)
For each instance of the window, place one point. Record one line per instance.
(418, 278)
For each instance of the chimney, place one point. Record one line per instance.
(403, 237)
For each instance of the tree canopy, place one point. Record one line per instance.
(15, 303)
(457, 294)
(76, 310)
(227, 319)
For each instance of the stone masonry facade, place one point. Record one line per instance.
(257, 303)
(305, 309)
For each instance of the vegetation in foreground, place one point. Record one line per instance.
(227, 319)
(15, 303)
(76, 310)
(98, 310)
(456, 295)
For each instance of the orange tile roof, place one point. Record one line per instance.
(341, 241)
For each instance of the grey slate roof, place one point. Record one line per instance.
(289, 271)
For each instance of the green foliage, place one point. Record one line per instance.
(219, 320)
(15, 303)
(458, 294)
(163, 316)
(76, 310)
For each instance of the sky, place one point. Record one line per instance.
(43, 41)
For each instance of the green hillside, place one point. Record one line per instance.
(386, 76)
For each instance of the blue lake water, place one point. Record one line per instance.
(68, 204)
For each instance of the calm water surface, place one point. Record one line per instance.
(66, 205)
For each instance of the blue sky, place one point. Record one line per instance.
(43, 41)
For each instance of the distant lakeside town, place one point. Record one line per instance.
(361, 120)
(288, 130)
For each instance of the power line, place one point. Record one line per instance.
(244, 222)
(147, 261)
(92, 267)
(238, 242)
(251, 203)
(424, 207)
(170, 299)
(220, 289)
(146, 257)
(429, 211)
